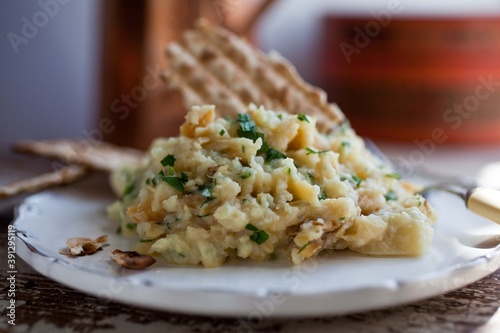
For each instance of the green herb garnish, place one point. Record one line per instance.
(168, 160)
(158, 178)
(345, 144)
(391, 196)
(222, 132)
(356, 179)
(394, 175)
(310, 175)
(273, 154)
(207, 192)
(303, 247)
(145, 241)
(175, 182)
(312, 151)
(258, 236)
(322, 195)
(342, 219)
(245, 173)
(248, 130)
(184, 178)
(130, 226)
(129, 191)
(251, 227)
(170, 170)
(302, 117)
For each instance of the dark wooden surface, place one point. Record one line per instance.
(43, 305)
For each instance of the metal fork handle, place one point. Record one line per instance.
(485, 202)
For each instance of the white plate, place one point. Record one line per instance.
(465, 249)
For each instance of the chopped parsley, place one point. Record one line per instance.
(312, 151)
(130, 226)
(130, 191)
(145, 241)
(248, 130)
(356, 179)
(168, 160)
(251, 227)
(222, 132)
(310, 175)
(289, 171)
(303, 247)
(207, 192)
(169, 178)
(391, 196)
(342, 219)
(302, 117)
(345, 144)
(158, 178)
(170, 170)
(246, 173)
(184, 178)
(176, 182)
(322, 195)
(258, 236)
(394, 175)
(273, 154)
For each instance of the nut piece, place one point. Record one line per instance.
(79, 246)
(132, 259)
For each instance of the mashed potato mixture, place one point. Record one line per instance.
(262, 186)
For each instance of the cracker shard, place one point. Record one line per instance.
(79, 246)
(63, 176)
(212, 65)
(102, 156)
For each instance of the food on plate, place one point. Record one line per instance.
(210, 65)
(62, 176)
(132, 259)
(95, 155)
(263, 185)
(79, 246)
(81, 156)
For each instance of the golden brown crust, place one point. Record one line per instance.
(60, 177)
(211, 65)
(102, 156)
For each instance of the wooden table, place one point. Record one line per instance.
(43, 305)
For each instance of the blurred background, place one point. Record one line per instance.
(400, 70)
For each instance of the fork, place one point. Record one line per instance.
(483, 201)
